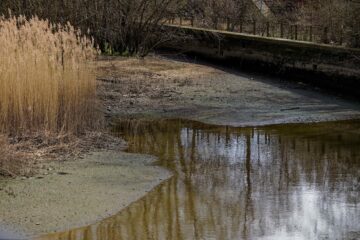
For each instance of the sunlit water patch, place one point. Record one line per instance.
(279, 182)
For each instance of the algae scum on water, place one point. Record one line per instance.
(278, 182)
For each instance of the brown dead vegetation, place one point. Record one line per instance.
(22, 156)
(48, 99)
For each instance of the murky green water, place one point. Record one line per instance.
(281, 182)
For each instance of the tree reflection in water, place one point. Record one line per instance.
(280, 182)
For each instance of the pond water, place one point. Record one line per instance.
(279, 182)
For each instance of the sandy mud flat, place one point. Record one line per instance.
(76, 193)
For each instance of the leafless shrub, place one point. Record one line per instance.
(118, 26)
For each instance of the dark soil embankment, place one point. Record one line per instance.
(326, 66)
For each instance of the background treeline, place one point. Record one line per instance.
(134, 26)
(125, 26)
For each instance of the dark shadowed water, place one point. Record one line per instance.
(280, 182)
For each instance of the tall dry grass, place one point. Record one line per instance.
(47, 81)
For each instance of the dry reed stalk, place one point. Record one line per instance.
(47, 81)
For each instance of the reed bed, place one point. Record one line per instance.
(47, 80)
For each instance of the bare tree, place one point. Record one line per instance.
(136, 26)
(125, 26)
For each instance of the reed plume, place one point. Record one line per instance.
(47, 81)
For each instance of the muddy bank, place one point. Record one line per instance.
(76, 193)
(161, 87)
(326, 66)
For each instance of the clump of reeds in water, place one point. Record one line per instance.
(47, 81)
